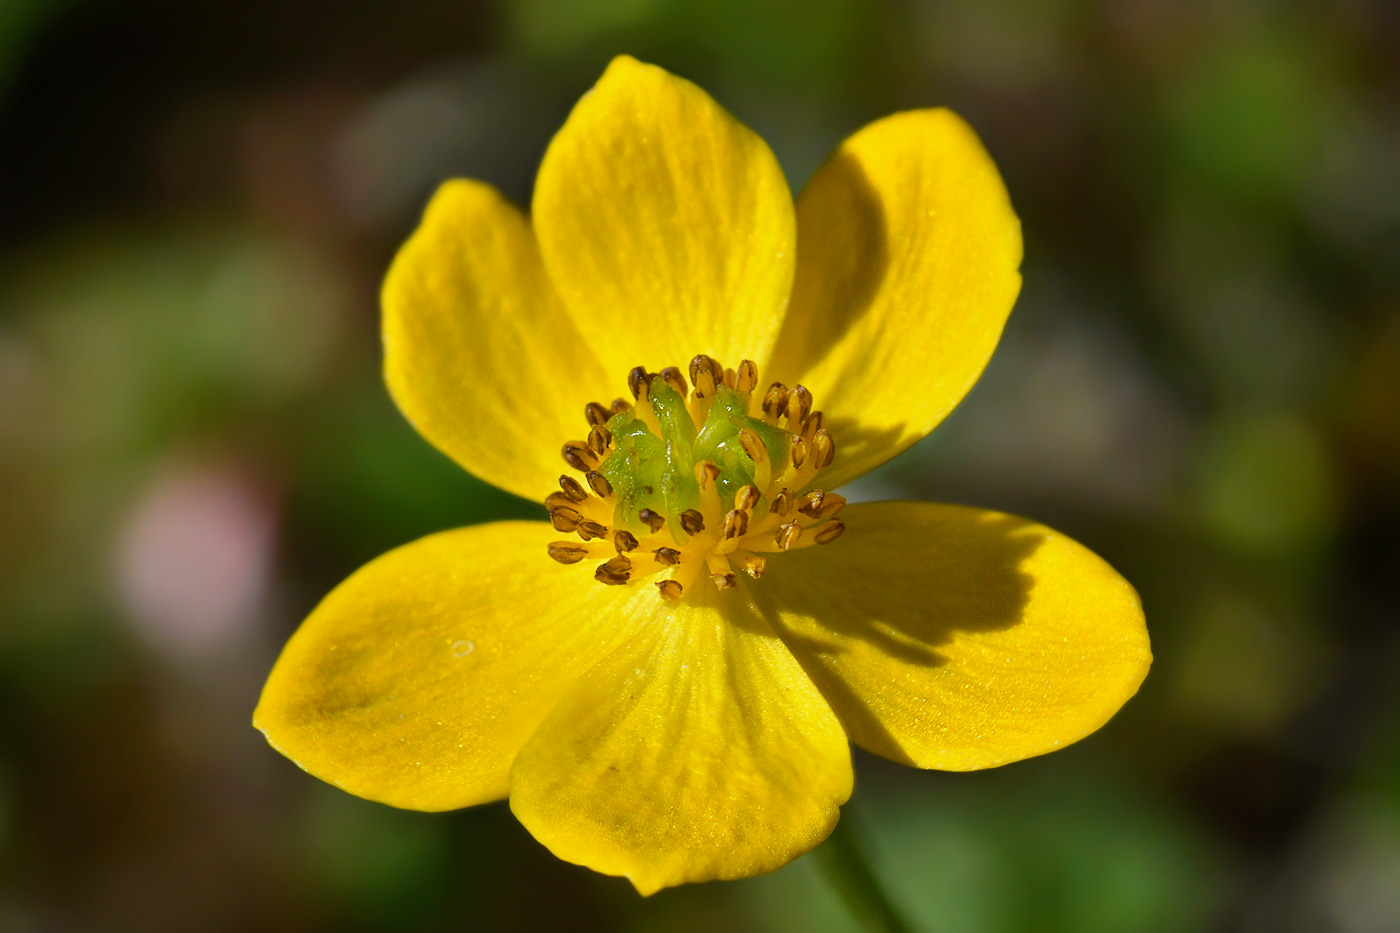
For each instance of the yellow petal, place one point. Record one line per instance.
(478, 352)
(908, 252)
(955, 638)
(665, 224)
(416, 681)
(699, 750)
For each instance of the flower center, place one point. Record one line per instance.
(687, 481)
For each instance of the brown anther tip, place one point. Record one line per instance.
(787, 535)
(799, 449)
(670, 589)
(731, 378)
(811, 503)
(651, 519)
(564, 519)
(781, 504)
(624, 541)
(724, 581)
(596, 414)
(746, 377)
(619, 405)
(671, 375)
(706, 472)
(609, 577)
(578, 456)
(557, 499)
(692, 521)
(618, 564)
(736, 524)
(599, 439)
(813, 423)
(702, 366)
(637, 380)
(775, 400)
(667, 556)
(590, 530)
(830, 531)
(746, 498)
(573, 489)
(566, 552)
(823, 449)
(754, 565)
(832, 503)
(753, 445)
(599, 484)
(799, 403)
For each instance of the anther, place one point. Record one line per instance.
(651, 519)
(799, 404)
(746, 498)
(578, 456)
(564, 519)
(637, 381)
(800, 449)
(673, 378)
(706, 472)
(692, 521)
(609, 573)
(753, 445)
(746, 378)
(812, 424)
(787, 535)
(599, 484)
(566, 552)
(811, 503)
(832, 504)
(831, 531)
(731, 378)
(667, 556)
(620, 405)
(624, 541)
(558, 499)
(823, 449)
(590, 530)
(599, 438)
(754, 564)
(706, 374)
(724, 581)
(775, 401)
(736, 524)
(670, 589)
(596, 413)
(573, 489)
(781, 504)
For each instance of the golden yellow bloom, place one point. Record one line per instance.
(664, 681)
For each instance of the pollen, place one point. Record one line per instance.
(695, 480)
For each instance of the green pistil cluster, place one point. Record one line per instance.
(655, 471)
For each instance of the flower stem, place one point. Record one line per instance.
(848, 870)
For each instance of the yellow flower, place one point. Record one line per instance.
(650, 706)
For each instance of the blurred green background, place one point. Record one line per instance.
(1201, 382)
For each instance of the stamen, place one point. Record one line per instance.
(736, 524)
(668, 556)
(596, 414)
(670, 589)
(746, 498)
(823, 449)
(787, 535)
(620, 405)
(564, 519)
(557, 500)
(753, 564)
(651, 519)
(775, 401)
(637, 381)
(566, 552)
(599, 439)
(746, 379)
(799, 405)
(706, 374)
(692, 521)
(589, 530)
(573, 489)
(781, 504)
(800, 449)
(625, 541)
(831, 531)
(674, 379)
(613, 573)
(599, 484)
(578, 456)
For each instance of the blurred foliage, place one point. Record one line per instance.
(1201, 382)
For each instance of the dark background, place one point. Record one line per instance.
(1201, 382)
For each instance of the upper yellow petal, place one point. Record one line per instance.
(665, 224)
(478, 352)
(417, 680)
(698, 750)
(908, 257)
(954, 638)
